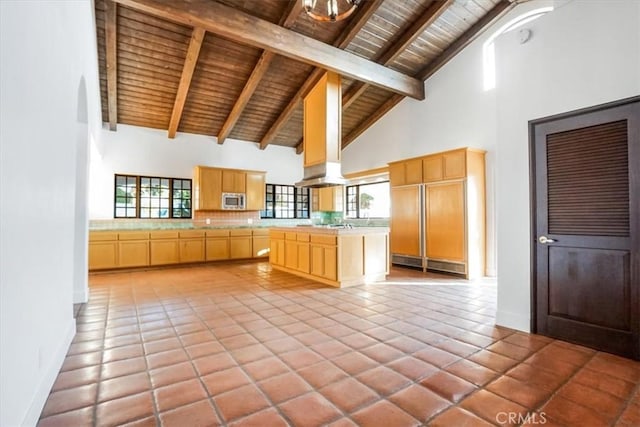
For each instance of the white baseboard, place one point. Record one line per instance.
(49, 376)
(513, 320)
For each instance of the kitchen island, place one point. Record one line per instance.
(338, 257)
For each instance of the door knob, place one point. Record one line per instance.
(544, 240)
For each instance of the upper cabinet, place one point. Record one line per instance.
(234, 181)
(405, 172)
(255, 183)
(431, 168)
(328, 199)
(209, 184)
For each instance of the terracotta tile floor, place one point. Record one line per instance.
(239, 344)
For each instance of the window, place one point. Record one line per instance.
(368, 200)
(285, 201)
(489, 49)
(152, 197)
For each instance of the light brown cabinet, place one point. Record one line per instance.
(240, 244)
(133, 249)
(277, 248)
(255, 184)
(328, 199)
(210, 183)
(405, 172)
(124, 249)
(207, 185)
(233, 181)
(164, 247)
(217, 245)
(324, 256)
(440, 224)
(192, 246)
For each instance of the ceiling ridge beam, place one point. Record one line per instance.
(111, 42)
(349, 33)
(498, 11)
(190, 61)
(287, 21)
(244, 28)
(428, 17)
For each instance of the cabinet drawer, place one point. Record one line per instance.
(217, 233)
(323, 239)
(260, 231)
(133, 235)
(191, 234)
(240, 232)
(276, 234)
(302, 237)
(167, 234)
(101, 236)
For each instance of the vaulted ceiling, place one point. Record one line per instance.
(240, 68)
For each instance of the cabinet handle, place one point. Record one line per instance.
(544, 240)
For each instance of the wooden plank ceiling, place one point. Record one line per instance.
(240, 68)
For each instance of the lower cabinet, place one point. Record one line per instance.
(324, 260)
(192, 248)
(296, 250)
(240, 244)
(276, 248)
(165, 248)
(217, 245)
(112, 249)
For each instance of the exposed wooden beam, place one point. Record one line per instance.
(288, 19)
(384, 108)
(300, 146)
(111, 32)
(244, 28)
(430, 15)
(197, 36)
(499, 10)
(349, 33)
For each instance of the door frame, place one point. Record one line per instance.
(635, 211)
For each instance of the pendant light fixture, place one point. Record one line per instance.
(330, 10)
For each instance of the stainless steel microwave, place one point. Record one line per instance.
(233, 201)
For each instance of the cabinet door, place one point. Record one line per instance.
(291, 254)
(255, 191)
(208, 188)
(445, 221)
(317, 260)
(331, 262)
(413, 171)
(276, 256)
(217, 248)
(455, 165)
(396, 174)
(133, 253)
(303, 257)
(330, 199)
(165, 252)
(260, 246)
(240, 247)
(233, 181)
(405, 220)
(432, 169)
(103, 255)
(324, 261)
(191, 250)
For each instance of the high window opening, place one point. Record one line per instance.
(489, 48)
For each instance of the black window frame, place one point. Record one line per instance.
(175, 203)
(299, 205)
(350, 204)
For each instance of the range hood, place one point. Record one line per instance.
(323, 134)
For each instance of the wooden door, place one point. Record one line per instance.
(405, 220)
(586, 210)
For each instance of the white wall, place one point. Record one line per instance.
(581, 54)
(143, 151)
(45, 50)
